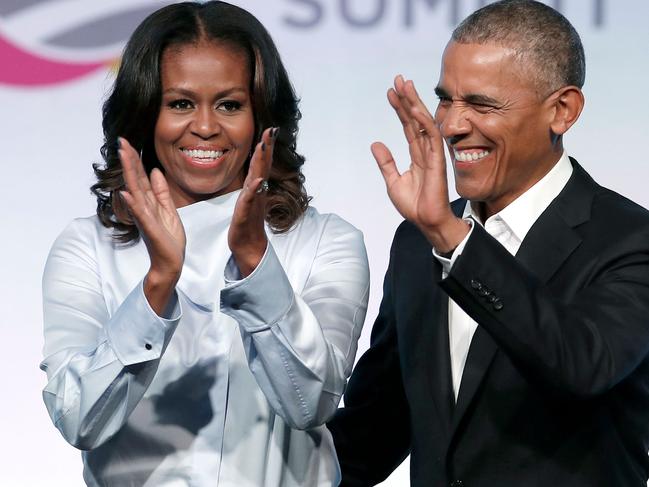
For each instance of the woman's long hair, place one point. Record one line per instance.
(132, 108)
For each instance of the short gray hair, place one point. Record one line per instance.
(546, 44)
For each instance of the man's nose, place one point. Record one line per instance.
(454, 122)
(206, 123)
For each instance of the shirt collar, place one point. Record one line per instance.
(521, 213)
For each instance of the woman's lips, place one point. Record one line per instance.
(203, 157)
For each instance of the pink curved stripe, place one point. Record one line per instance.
(20, 67)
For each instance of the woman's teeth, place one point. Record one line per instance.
(202, 154)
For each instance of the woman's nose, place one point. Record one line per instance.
(206, 123)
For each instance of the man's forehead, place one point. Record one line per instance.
(485, 69)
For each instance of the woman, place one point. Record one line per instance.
(200, 328)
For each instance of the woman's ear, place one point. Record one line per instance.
(567, 104)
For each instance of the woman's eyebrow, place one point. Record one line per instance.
(190, 93)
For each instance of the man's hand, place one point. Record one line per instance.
(420, 194)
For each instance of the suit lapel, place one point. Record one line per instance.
(553, 237)
(547, 245)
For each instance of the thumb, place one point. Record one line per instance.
(386, 163)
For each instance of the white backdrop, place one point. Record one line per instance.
(342, 56)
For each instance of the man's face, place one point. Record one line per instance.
(496, 127)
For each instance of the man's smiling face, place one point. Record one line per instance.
(495, 125)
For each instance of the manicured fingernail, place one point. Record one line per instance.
(119, 142)
(274, 132)
(263, 146)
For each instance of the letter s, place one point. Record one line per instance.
(316, 9)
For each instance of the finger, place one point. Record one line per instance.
(129, 171)
(398, 103)
(434, 150)
(137, 182)
(411, 128)
(386, 163)
(273, 135)
(161, 190)
(412, 95)
(419, 111)
(131, 207)
(262, 157)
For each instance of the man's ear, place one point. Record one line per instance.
(567, 104)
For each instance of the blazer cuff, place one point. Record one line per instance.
(136, 333)
(262, 298)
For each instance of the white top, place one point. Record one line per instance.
(235, 397)
(509, 226)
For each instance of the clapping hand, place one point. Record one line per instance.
(247, 236)
(420, 194)
(152, 208)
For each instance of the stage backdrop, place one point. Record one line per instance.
(56, 66)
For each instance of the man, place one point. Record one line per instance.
(511, 346)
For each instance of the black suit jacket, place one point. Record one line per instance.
(555, 391)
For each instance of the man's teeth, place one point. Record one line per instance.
(203, 154)
(468, 156)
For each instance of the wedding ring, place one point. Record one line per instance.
(263, 187)
(422, 131)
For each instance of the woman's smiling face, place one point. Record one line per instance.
(205, 129)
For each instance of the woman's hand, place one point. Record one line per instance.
(152, 208)
(247, 236)
(420, 194)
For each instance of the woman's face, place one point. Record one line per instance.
(205, 129)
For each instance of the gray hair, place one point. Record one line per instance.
(545, 42)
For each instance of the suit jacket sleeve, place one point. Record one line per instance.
(372, 432)
(582, 342)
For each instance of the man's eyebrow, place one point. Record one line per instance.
(441, 92)
(473, 98)
(477, 99)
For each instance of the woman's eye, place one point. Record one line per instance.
(229, 106)
(180, 104)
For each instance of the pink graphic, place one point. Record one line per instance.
(20, 67)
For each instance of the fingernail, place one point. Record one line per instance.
(263, 146)
(119, 142)
(274, 133)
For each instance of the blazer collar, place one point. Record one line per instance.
(553, 237)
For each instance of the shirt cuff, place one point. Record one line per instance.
(260, 299)
(136, 333)
(447, 263)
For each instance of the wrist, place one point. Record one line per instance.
(445, 238)
(158, 289)
(248, 259)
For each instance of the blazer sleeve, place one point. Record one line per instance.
(372, 431)
(301, 344)
(583, 342)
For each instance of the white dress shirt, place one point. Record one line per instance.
(233, 385)
(509, 227)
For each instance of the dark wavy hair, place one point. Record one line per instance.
(132, 108)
